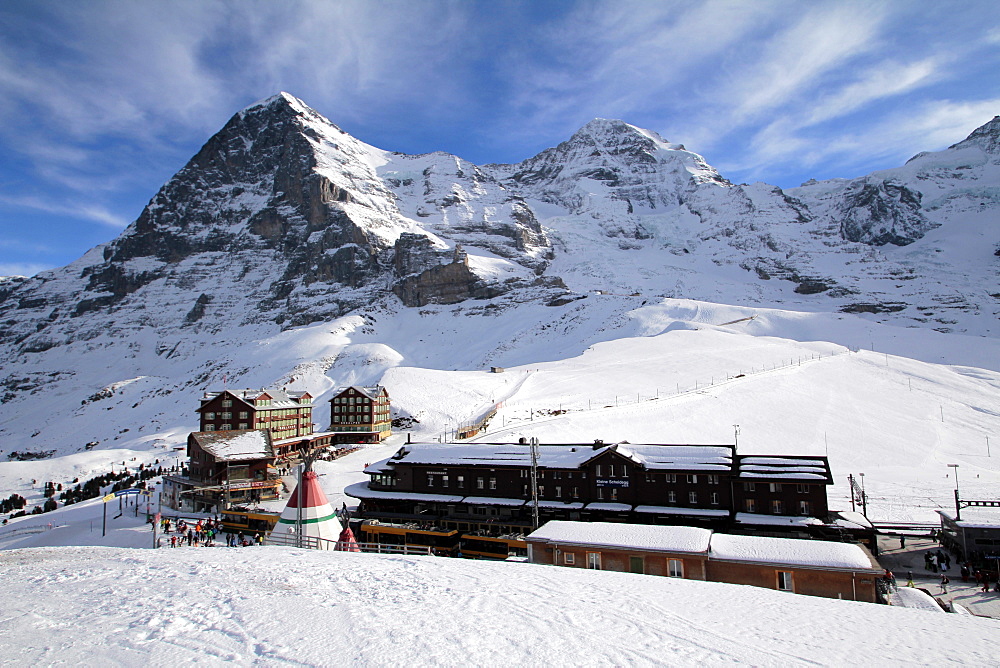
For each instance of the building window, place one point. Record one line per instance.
(461, 481)
(493, 483)
(225, 427)
(209, 427)
(541, 490)
(444, 481)
(243, 425)
(209, 416)
(524, 473)
(693, 497)
(226, 416)
(569, 558)
(480, 483)
(614, 493)
(749, 487)
(713, 480)
(785, 581)
(671, 497)
(576, 492)
(802, 489)
(803, 507)
(777, 507)
(751, 505)
(430, 480)
(558, 492)
(692, 479)
(675, 568)
(597, 470)
(243, 415)
(775, 486)
(600, 493)
(594, 560)
(714, 498)
(227, 403)
(670, 477)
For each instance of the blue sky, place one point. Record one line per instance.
(101, 102)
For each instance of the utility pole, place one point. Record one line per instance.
(534, 482)
(736, 438)
(850, 481)
(298, 509)
(958, 506)
(864, 497)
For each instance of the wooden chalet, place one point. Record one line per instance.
(360, 415)
(488, 486)
(812, 567)
(285, 414)
(226, 467)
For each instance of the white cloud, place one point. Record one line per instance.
(22, 268)
(82, 211)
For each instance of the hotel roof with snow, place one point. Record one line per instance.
(236, 445)
(706, 458)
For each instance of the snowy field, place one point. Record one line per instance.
(280, 606)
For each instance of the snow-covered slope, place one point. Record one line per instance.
(288, 253)
(218, 606)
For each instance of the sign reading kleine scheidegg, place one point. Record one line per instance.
(611, 482)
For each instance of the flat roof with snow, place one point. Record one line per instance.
(626, 536)
(791, 552)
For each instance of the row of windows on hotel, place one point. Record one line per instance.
(776, 506)
(675, 568)
(283, 412)
(360, 409)
(275, 427)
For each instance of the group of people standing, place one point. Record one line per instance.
(204, 532)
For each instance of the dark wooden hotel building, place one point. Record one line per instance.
(285, 414)
(469, 487)
(360, 415)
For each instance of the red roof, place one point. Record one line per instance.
(312, 495)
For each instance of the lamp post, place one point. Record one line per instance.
(864, 497)
(958, 507)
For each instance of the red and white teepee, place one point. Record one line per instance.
(316, 518)
(347, 542)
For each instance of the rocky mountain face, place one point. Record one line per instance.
(282, 219)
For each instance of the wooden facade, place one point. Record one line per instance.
(285, 414)
(810, 567)
(467, 485)
(227, 467)
(360, 415)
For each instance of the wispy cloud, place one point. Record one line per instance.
(22, 269)
(81, 211)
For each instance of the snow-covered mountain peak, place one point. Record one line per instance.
(986, 136)
(279, 100)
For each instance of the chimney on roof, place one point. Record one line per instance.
(598, 444)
